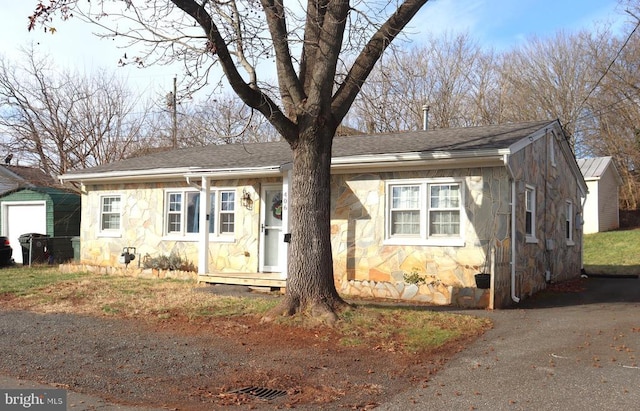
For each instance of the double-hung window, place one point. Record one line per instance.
(530, 213)
(425, 211)
(110, 214)
(444, 210)
(568, 224)
(405, 210)
(182, 214)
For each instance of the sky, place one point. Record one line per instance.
(498, 24)
(503, 24)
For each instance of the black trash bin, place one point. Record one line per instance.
(34, 245)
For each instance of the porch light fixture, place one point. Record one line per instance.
(246, 200)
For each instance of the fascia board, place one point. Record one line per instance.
(400, 161)
(564, 148)
(530, 139)
(177, 174)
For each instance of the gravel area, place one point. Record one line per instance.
(184, 365)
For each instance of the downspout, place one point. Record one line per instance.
(581, 222)
(513, 228)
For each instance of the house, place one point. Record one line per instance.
(415, 215)
(601, 208)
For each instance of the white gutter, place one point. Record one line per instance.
(413, 156)
(177, 173)
(399, 161)
(513, 228)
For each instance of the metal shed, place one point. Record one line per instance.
(601, 209)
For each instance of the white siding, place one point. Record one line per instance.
(608, 205)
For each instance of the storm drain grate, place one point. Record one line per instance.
(261, 393)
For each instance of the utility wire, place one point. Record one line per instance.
(608, 67)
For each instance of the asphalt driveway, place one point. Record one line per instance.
(575, 350)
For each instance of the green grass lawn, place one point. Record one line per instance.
(612, 253)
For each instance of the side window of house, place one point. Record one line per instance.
(110, 213)
(183, 212)
(424, 210)
(568, 226)
(530, 213)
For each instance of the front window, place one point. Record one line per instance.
(227, 211)
(444, 209)
(530, 213)
(405, 210)
(174, 213)
(183, 212)
(110, 212)
(424, 211)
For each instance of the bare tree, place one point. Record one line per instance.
(309, 105)
(549, 79)
(615, 108)
(59, 120)
(222, 121)
(450, 74)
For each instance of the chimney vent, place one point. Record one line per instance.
(425, 117)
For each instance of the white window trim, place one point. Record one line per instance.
(184, 236)
(569, 220)
(423, 239)
(530, 238)
(109, 233)
(552, 149)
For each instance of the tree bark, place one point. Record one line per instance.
(310, 281)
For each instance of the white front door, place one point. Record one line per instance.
(271, 237)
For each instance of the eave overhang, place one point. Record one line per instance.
(339, 165)
(135, 176)
(418, 160)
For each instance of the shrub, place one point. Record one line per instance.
(171, 262)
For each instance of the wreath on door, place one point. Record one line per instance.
(276, 206)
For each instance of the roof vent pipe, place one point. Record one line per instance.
(425, 117)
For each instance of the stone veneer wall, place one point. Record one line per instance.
(143, 224)
(364, 266)
(554, 185)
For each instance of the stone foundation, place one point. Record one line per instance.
(436, 293)
(129, 271)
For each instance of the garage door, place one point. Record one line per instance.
(22, 218)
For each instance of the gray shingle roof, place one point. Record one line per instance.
(12, 177)
(273, 154)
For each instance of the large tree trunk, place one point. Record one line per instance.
(310, 282)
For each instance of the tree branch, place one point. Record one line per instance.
(370, 54)
(252, 96)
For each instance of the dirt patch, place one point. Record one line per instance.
(186, 364)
